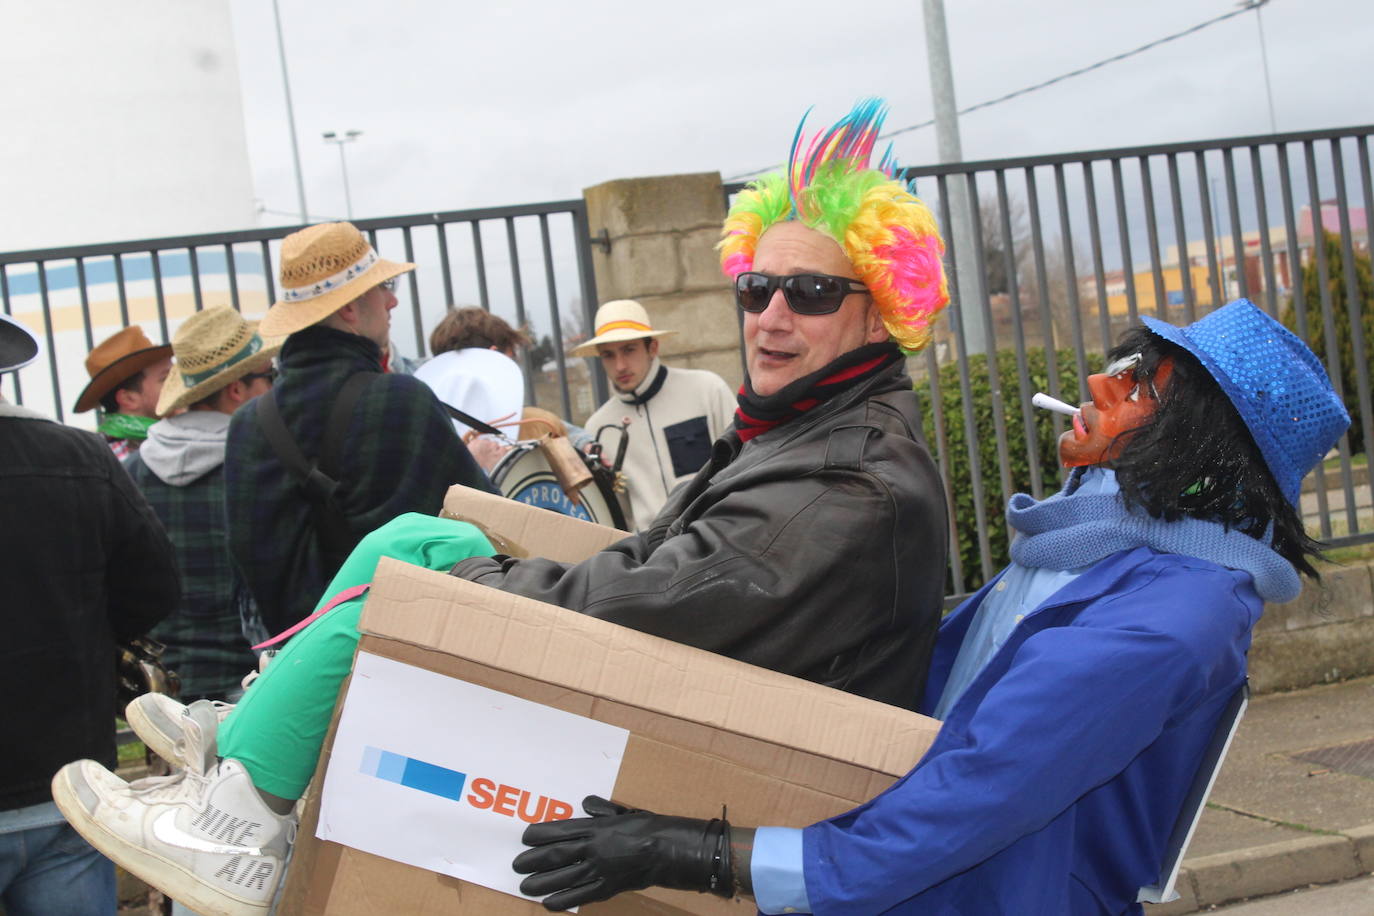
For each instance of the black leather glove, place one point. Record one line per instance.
(619, 849)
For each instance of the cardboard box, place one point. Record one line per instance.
(706, 731)
(518, 530)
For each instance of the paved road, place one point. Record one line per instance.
(1349, 898)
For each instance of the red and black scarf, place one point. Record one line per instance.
(758, 414)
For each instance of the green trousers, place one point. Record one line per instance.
(277, 729)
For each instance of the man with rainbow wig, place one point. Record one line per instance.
(813, 541)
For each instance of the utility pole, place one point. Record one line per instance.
(290, 116)
(1264, 58)
(960, 211)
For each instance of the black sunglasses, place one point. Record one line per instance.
(806, 294)
(270, 375)
(388, 284)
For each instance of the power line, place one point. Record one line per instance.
(1049, 82)
(295, 215)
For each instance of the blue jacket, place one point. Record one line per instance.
(1057, 777)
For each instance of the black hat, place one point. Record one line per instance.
(18, 346)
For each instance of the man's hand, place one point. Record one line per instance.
(486, 450)
(618, 849)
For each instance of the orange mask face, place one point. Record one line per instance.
(1119, 404)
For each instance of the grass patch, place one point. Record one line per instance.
(1277, 823)
(134, 751)
(1333, 463)
(1354, 555)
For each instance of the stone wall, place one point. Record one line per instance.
(1327, 634)
(662, 234)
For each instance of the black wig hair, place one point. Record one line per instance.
(1196, 457)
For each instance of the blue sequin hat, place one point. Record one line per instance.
(1275, 382)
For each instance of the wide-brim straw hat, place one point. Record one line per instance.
(213, 348)
(116, 359)
(18, 346)
(617, 320)
(323, 268)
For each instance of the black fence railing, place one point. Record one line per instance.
(1065, 251)
(1061, 253)
(530, 264)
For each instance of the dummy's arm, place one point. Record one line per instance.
(617, 849)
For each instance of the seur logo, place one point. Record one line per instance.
(486, 795)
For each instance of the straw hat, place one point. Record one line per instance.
(323, 268)
(619, 319)
(18, 346)
(213, 348)
(116, 359)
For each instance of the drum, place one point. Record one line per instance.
(524, 475)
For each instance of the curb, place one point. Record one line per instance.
(1226, 877)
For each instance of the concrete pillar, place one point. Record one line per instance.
(662, 234)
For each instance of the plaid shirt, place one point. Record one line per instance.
(122, 448)
(401, 455)
(204, 635)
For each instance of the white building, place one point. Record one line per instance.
(124, 121)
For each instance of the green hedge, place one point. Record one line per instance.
(956, 461)
(1345, 340)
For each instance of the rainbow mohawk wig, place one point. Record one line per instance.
(888, 234)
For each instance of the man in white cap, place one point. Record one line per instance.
(338, 448)
(221, 364)
(86, 563)
(673, 414)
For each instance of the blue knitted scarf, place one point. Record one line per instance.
(1069, 531)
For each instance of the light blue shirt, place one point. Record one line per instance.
(776, 869)
(43, 814)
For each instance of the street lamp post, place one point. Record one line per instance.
(348, 137)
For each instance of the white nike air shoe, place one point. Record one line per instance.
(202, 836)
(159, 721)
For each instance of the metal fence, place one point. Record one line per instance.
(1068, 250)
(1065, 252)
(531, 264)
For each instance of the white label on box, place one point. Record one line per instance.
(443, 774)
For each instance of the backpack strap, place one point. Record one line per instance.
(336, 427)
(468, 419)
(319, 480)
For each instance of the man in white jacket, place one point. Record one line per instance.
(221, 364)
(671, 416)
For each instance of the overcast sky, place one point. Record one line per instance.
(465, 104)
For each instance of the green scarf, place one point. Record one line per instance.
(126, 426)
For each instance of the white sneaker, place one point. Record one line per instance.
(204, 838)
(160, 723)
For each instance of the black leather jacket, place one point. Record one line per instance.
(85, 562)
(817, 550)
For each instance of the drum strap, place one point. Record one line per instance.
(468, 419)
(319, 480)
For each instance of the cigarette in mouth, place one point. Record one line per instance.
(1045, 402)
